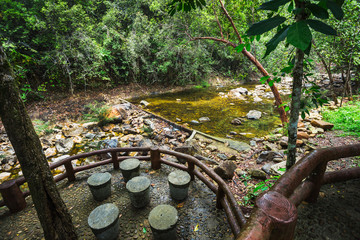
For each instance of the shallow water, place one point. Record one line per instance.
(195, 103)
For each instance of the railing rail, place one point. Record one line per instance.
(224, 196)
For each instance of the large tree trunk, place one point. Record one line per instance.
(296, 97)
(52, 212)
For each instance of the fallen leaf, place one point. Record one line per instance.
(180, 205)
(196, 228)
(144, 230)
(153, 184)
(151, 172)
(71, 185)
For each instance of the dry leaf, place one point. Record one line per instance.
(196, 228)
(180, 205)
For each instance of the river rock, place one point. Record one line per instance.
(238, 92)
(236, 121)
(204, 119)
(302, 135)
(64, 146)
(194, 122)
(50, 152)
(257, 99)
(90, 125)
(226, 170)
(4, 176)
(257, 173)
(254, 114)
(322, 124)
(109, 143)
(144, 103)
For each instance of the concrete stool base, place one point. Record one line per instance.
(104, 222)
(130, 168)
(139, 191)
(100, 185)
(179, 182)
(162, 220)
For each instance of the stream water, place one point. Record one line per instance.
(195, 103)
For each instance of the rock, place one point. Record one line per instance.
(257, 173)
(240, 172)
(268, 156)
(238, 146)
(109, 143)
(236, 121)
(300, 125)
(194, 122)
(50, 152)
(222, 156)
(267, 168)
(6, 167)
(284, 142)
(212, 148)
(4, 176)
(253, 114)
(60, 158)
(90, 135)
(73, 130)
(206, 159)
(235, 93)
(118, 113)
(277, 168)
(108, 127)
(302, 135)
(322, 124)
(64, 146)
(257, 99)
(144, 103)
(178, 119)
(204, 119)
(233, 133)
(226, 170)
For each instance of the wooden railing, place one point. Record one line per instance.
(14, 199)
(275, 213)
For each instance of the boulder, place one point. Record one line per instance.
(302, 135)
(257, 173)
(268, 156)
(322, 124)
(226, 170)
(253, 114)
(64, 146)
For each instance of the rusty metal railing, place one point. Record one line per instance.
(275, 213)
(14, 198)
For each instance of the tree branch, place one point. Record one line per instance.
(231, 21)
(217, 20)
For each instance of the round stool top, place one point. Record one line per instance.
(103, 216)
(163, 217)
(129, 164)
(138, 184)
(179, 178)
(98, 179)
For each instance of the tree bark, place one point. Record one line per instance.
(298, 73)
(52, 212)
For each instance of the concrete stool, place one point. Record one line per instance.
(100, 185)
(163, 219)
(179, 182)
(104, 222)
(139, 191)
(130, 168)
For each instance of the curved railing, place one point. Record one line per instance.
(275, 214)
(14, 199)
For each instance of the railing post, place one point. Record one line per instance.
(12, 195)
(155, 158)
(316, 177)
(115, 160)
(191, 167)
(219, 196)
(69, 171)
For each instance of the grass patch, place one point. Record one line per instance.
(42, 127)
(346, 118)
(95, 112)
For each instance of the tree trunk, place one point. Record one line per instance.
(52, 212)
(296, 97)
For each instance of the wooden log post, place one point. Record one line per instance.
(155, 158)
(316, 177)
(219, 196)
(69, 171)
(12, 195)
(191, 167)
(115, 160)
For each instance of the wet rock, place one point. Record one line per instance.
(236, 121)
(257, 173)
(253, 114)
(226, 170)
(322, 124)
(204, 119)
(64, 146)
(144, 103)
(4, 176)
(194, 122)
(268, 156)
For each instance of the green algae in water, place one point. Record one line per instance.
(196, 103)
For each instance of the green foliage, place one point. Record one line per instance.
(42, 127)
(95, 112)
(346, 118)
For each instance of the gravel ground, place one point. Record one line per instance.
(198, 216)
